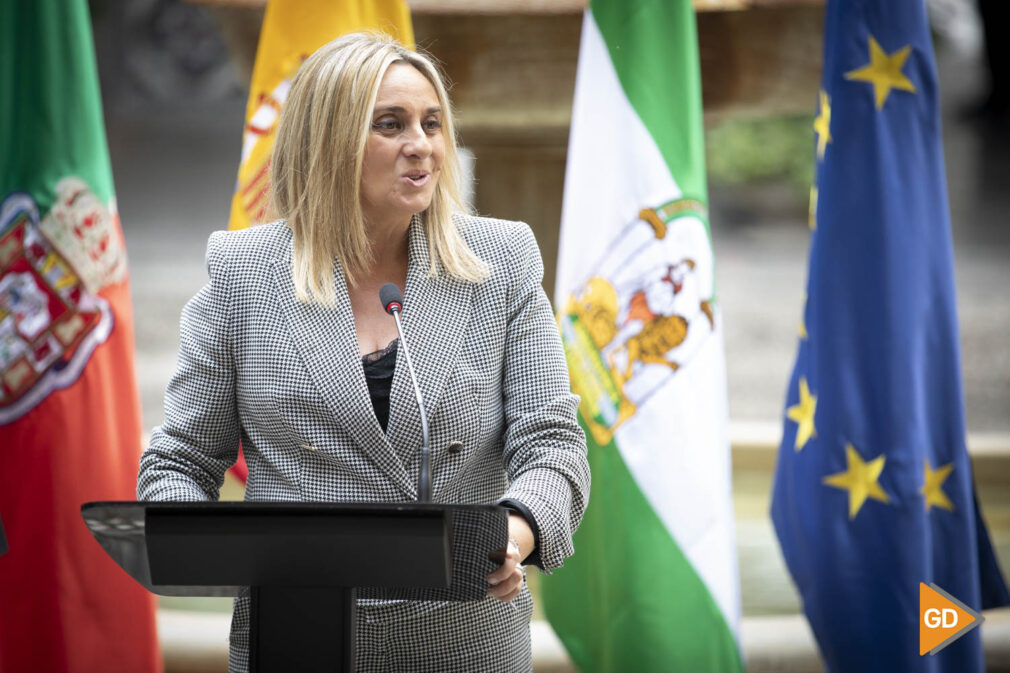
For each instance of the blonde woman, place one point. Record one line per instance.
(289, 350)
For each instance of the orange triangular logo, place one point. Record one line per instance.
(942, 619)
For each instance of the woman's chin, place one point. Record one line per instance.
(414, 206)
(391, 212)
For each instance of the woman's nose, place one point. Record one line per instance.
(418, 143)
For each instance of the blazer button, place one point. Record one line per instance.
(455, 446)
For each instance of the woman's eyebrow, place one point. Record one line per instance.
(401, 109)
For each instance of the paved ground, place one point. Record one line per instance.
(175, 166)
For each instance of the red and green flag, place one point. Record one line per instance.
(70, 428)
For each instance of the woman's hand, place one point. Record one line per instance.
(507, 581)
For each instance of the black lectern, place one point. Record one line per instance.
(304, 563)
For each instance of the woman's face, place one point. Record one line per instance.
(404, 148)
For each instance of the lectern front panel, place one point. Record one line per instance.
(298, 549)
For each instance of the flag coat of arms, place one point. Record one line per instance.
(873, 489)
(653, 585)
(69, 405)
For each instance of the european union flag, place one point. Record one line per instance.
(873, 489)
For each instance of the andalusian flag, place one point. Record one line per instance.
(70, 427)
(292, 30)
(653, 585)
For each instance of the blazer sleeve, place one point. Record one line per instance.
(545, 448)
(199, 439)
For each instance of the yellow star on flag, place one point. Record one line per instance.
(803, 414)
(932, 486)
(822, 125)
(812, 215)
(803, 324)
(860, 480)
(884, 72)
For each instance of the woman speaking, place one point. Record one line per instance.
(289, 351)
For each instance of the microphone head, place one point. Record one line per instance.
(391, 298)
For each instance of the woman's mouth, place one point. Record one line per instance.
(417, 178)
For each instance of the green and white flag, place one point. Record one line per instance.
(653, 585)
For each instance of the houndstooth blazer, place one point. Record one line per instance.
(286, 379)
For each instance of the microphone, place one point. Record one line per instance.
(392, 302)
(391, 298)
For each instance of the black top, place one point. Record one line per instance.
(379, 368)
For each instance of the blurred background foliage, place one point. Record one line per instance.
(761, 150)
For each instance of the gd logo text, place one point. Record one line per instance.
(942, 619)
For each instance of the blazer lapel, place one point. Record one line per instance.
(328, 343)
(436, 313)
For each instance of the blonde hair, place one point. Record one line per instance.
(315, 171)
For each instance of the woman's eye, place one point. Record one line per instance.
(386, 125)
(432, 125)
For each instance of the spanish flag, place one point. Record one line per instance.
(292, 30)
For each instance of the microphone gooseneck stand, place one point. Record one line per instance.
(392, 302)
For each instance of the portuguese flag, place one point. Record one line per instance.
(69, 406)
(653, 585)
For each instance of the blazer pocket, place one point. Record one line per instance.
(457, 428)
(304, 425)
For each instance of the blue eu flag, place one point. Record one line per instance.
(873, 489)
